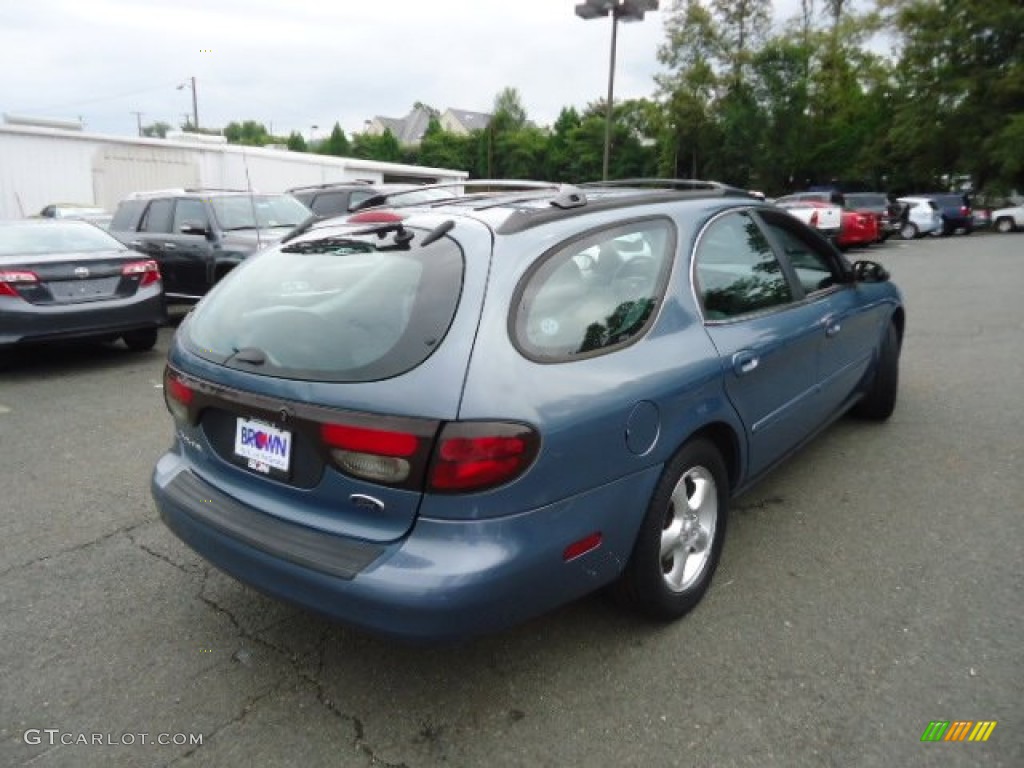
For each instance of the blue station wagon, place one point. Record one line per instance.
(437, 420)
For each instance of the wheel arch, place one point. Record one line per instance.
(725, 440)
(899, 319)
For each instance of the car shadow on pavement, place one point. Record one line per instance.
(59, 359)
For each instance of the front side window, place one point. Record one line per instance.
(595, 294)
(736, 272)
(814, 270)
(334, 307)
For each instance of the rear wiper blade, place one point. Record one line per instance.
(402, 235)
(250, 355)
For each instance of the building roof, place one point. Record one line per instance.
(410, 129)
(471, 121)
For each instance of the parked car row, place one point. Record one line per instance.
(909, 216)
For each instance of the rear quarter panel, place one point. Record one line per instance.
(582, 408)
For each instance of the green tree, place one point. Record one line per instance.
(296, 143)
(337, 143)
(156, 130)
(508, 113)
(383, 147)
(248, 132)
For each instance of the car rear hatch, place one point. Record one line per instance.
(75, 278)
(322, 373)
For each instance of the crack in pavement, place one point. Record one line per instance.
(188, 570)
(294, 660)
(763, 504)
(77, 548)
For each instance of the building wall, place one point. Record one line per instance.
(39, 166)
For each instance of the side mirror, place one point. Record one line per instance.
(193, 228)
(869, 272)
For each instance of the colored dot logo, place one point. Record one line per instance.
(206, 50)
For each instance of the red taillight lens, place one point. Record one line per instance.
(375, 217)
(10, 279)
(149, 271)
(178, 396)
(364, 440)
(378, 455)
(474, 456)
(814, 219)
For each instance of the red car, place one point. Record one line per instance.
(857, 228)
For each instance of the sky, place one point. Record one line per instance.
(296, 64)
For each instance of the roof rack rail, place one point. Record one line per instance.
(156, 193)
(657, 182)
(493, 186)
(679, 185)
(328, 184)
(218, 189)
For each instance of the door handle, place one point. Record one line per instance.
(170, 246)
(833, 325)
(745, 362)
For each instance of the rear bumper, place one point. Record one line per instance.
(22, 322)
(443, 581)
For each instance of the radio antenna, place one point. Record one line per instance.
(252, 201)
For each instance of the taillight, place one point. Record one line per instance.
(10, 279)
(375, 217)
(177, 395)
(378, 455)
(474, 456)
(965, 211)
(149, 271)
(814, 219)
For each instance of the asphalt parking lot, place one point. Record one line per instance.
(868, 587)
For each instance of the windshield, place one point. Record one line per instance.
(246, 212)
(341, 307)
(53, 236)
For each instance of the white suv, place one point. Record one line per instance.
(922, 217)
(1008, 219)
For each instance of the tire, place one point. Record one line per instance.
(908, 230)
(665, 587)
(879, 401)
(141, 340)
(1004, 225)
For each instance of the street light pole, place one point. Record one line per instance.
(608, 107)
(626, 10)
(195, 102)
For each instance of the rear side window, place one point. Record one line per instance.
(126, 217)
(595, 294)
(188, 211)
(157, 217)
(333, 308)
(331, 203)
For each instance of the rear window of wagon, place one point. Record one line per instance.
(333, 308)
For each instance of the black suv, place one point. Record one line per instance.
(326, 200)
(955, 208)
(199, 235)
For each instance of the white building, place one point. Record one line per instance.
(42, 165)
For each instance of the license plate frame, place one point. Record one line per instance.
(263, 448)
